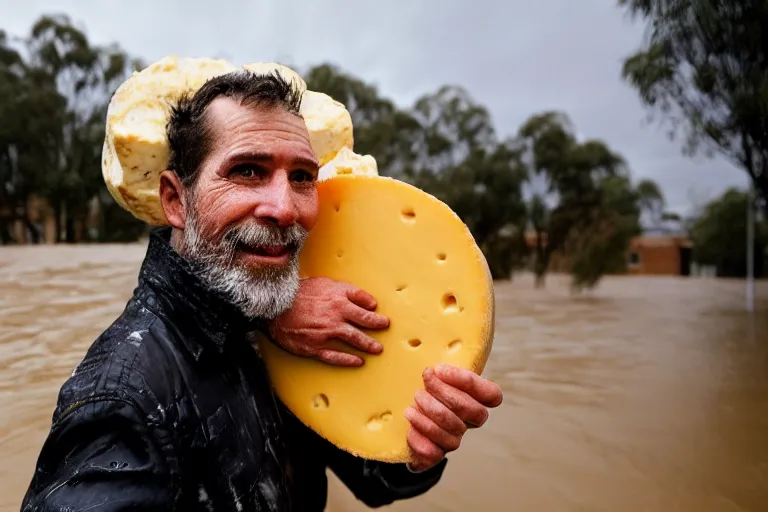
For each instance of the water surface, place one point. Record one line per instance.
(649, 394)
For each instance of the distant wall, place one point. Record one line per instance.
(656, 255)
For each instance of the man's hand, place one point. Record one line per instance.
(454, 400)
(325, 310)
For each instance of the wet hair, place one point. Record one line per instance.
(190, 137)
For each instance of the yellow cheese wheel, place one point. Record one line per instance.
(419, 260)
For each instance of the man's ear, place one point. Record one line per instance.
(172, 198)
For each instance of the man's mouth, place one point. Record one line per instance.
(272, 251)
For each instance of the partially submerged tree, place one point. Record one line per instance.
(589, 210)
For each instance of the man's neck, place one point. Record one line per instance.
(177, 241)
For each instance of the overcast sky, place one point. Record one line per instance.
(516, 57)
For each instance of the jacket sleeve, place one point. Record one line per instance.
(378, 483)
(103, 456)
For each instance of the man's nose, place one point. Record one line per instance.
(277, 205)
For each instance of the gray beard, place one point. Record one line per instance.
(261, 292)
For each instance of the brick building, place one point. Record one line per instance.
(660, 255)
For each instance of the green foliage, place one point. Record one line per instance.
(704, 66)
(595, 210)
(719, 236)
(54, 101)
(600, 247)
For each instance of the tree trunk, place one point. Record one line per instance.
(58, 215)
(69, 225)
(31, 228)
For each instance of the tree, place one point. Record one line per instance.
(600, 247)
(704, 66)
(594, 208)
(86, 76)
(719, 236)
(31, 109)
(55, 101)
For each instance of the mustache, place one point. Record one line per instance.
(255, 234)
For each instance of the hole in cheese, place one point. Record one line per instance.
(397, 262)
(340, 253)
(337, 206)
(320, 401)
(442, 256)
(450, 304)
(454, 346)
(414, 342)
(409, 214)
(377, 421)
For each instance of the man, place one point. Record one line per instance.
(171, 408)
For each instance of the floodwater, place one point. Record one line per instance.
(649, 394)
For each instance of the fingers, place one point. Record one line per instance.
(364, 318)
(468, 409)
(438, 413)
(426, 453)
(358, 339)
(361, 298)
(484, 391)
(446, 441)
(336, 358)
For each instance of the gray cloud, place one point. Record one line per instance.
(517, 58)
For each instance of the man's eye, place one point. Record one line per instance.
(302, 176)
(247, 171)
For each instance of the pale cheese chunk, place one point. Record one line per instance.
(346, 162)
(329, 125)
(429, 277)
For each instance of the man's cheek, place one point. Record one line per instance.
(309, 213)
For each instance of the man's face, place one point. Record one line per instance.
(252, 206)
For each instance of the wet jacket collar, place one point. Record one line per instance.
(169, 286)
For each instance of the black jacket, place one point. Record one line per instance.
(171, 410)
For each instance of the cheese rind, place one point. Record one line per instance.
(135, 151)
(420, 261)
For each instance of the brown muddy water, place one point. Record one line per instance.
(649, 394)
